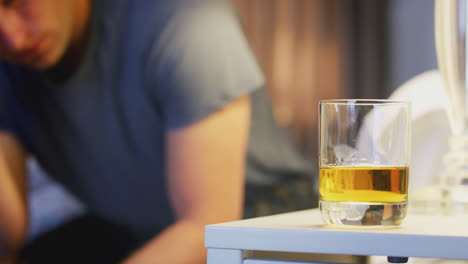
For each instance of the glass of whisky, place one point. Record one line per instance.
(364, 155)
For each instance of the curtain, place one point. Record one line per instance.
(303, 49)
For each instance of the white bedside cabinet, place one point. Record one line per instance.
(419, 236)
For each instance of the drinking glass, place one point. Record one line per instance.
(364, 162)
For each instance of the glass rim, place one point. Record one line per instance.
(364, 101)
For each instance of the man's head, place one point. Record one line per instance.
(38, 33)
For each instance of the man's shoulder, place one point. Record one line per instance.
(177, 12)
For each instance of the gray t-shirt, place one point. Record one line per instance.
(150, 66)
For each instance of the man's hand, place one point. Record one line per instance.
(13, 209)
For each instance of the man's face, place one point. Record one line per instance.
(36, 33)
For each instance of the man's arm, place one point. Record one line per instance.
(13, 208)
(206, 163)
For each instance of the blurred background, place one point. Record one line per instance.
(324, 49)
(309, 50)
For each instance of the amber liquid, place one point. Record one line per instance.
(364, 184)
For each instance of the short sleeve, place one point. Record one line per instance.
(201, 61)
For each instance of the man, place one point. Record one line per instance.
(140, 108)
